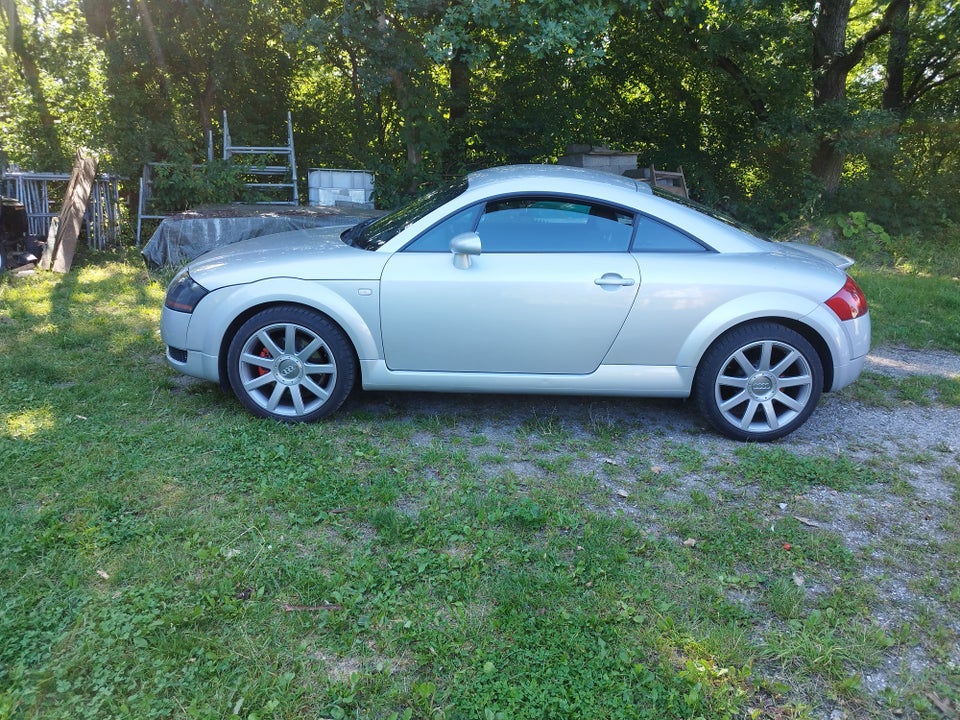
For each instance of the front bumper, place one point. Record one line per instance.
(173, 331)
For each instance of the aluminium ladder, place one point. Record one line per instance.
(271, 168)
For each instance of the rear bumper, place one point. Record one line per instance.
(848, 365)
(844, 374)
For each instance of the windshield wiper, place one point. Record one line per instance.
(350, 235)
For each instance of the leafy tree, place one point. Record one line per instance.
(721, 89)
(766, 104)
(51, 83)
(902, 150)
(175, 66)
(834, 58)
(423, 65)
(759, 94)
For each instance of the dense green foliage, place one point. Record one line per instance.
(775, 110)
(181, 186)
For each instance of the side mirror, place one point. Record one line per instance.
(463, 246)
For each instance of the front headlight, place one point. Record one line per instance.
(184, 293)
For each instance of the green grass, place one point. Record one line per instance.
(912, 310)
(167, 555)
(887, 391)
(912, 281)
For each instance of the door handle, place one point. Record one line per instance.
(614, 280)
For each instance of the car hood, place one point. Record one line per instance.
(312, 254)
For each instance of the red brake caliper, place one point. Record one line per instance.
(264, 353)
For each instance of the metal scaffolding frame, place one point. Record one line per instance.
(42, 194)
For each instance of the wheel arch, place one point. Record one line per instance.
(237, 322)
(819, 344)
(759, 381)
(352, 306)
(809, 333)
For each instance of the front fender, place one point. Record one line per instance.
(352, 304)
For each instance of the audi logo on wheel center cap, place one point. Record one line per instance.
(288, 370)
(762, 385)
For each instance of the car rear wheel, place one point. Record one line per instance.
(759, 382)
(291, 364)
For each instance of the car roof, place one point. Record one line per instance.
(526, 175)
(618, 190)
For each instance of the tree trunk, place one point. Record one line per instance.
(99, 18)
(411, 130)
(30, 72)
(827, 164)
(829, 46)
(359, 109)
(460, 77)
(893, 95)
(205, 104)
(829, 85)
(832, 62)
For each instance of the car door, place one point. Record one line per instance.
(545, 288)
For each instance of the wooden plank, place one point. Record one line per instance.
(47, 258)
(71, 214)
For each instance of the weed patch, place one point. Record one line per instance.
(779, 469)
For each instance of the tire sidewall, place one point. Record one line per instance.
(332, 335)
(714, 360)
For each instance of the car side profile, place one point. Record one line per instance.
(526, 279)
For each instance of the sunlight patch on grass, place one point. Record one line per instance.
(46, 328)
(28, 423)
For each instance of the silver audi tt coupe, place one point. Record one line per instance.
(526, 279)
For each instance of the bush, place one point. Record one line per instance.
(181, 186)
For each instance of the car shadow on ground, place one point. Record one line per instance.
(575, 413)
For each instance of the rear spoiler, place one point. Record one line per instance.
(836, 259)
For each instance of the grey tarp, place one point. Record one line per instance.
(180, 238)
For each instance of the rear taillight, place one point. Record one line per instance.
(850, 302)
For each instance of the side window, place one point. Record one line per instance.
(553, 225)
(437, 238)
(655, 236)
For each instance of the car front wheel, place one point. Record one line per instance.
(759, 382)
(291, 364)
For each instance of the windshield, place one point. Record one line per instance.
(372, 234)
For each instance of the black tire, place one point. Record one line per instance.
(759, 382)
(291, 364)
